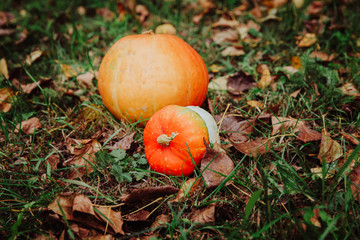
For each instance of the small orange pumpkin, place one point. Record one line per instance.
(172, 132)
(141, 74)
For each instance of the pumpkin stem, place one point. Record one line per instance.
(164, 140)
(148, 32)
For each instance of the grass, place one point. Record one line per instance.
(272, 196)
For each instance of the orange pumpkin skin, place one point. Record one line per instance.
(140, 74)
(174, 159)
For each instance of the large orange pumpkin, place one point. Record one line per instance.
(141, 74)
(174, 139)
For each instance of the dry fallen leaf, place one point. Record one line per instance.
(149, 193)
(166, 28)
(350, 90)
(227, 35)
(29, 126)
(307, 40)
(28, 88)
(86, 78)
(215, 167)
(3, 68)
(235, 129)
(322, 56)
(265, 79)
(232, 51)
(187, 189)
(84, 151)
(240, 82)
(355, 182)
(79, 210)
(305, 134)
(205, 215)
(125, 143)
(330, 150)
(253, 148)
(33, 56)
(5, 95)
(106, 13)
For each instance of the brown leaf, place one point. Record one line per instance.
(79, 210)
(240, 82)
(223, 22)
(330, 150)
(142, 12)
(165, 29)
(307, 40)
(355, 182)
(253, 148)
(236, 130)
(86, 78)
(350, 90)
(149, 193)
(187, 189)
(5, 94)
(141, 215)
(29, 126)
(265, 79)
(106, 13)
(84, 151)
(305, 134)
(28, 88)
(125, 143)
(33, 56)
(322, 56)
(215, 166)
(3, 68)
(205, 215)
(232, 51)
(160, 220)
(227, 35)
(353, 138)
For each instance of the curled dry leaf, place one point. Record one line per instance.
(149, 193)
(330, 150)
(305, 134)
(205, 215)
(78, 209)
(33, 56)
(3, 68)
(307, 40)
(125, 143)
(166, 28)
(215, 167)
(29, 126)
(5, 95)
(253, 148)
(188, 188)
(355, 182)
(84, 151)
(265, 79)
